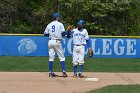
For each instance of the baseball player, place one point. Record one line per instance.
(80, 39)
(55, 31)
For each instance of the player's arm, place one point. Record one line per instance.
(46, 32)
(64, 34)
(88, 41)
(63, 30)
(69, 31)
(69, 34)
(47, 35)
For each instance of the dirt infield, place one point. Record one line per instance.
(39, 82)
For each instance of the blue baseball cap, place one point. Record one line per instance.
(81, 22)
(55, 15)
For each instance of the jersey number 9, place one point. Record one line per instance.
(53, 28)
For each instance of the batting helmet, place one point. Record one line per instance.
(81, 22)
(55, 15)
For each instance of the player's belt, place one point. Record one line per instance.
(55, 39)
(79, 45)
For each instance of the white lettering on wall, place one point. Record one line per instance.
(130, 47)
(118, 47)
(106, 46)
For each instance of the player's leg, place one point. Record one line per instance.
(81, 60)
(61, 56)
(51, 59)
(75, 61)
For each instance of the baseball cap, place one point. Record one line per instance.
(55, 15)
(81, 22)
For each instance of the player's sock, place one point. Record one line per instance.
(63, 66)
(80, 68)
(75, 69)
(51, 66)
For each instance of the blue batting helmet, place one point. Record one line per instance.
(81, 22)
(55, 15)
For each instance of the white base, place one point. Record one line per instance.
(91, 79)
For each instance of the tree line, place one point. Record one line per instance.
(102, 17)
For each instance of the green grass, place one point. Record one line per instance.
(118, 89)
(40, 64)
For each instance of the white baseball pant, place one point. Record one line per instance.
(78, 55)
(55, 46)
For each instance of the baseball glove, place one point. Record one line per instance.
(70, 27)
(90, 52)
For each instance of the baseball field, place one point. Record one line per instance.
(30, 75)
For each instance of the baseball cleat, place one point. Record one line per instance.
(65, 74)
(80, 75)
(75, 75)
(52, 75)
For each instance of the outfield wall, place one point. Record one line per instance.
(36, 45)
